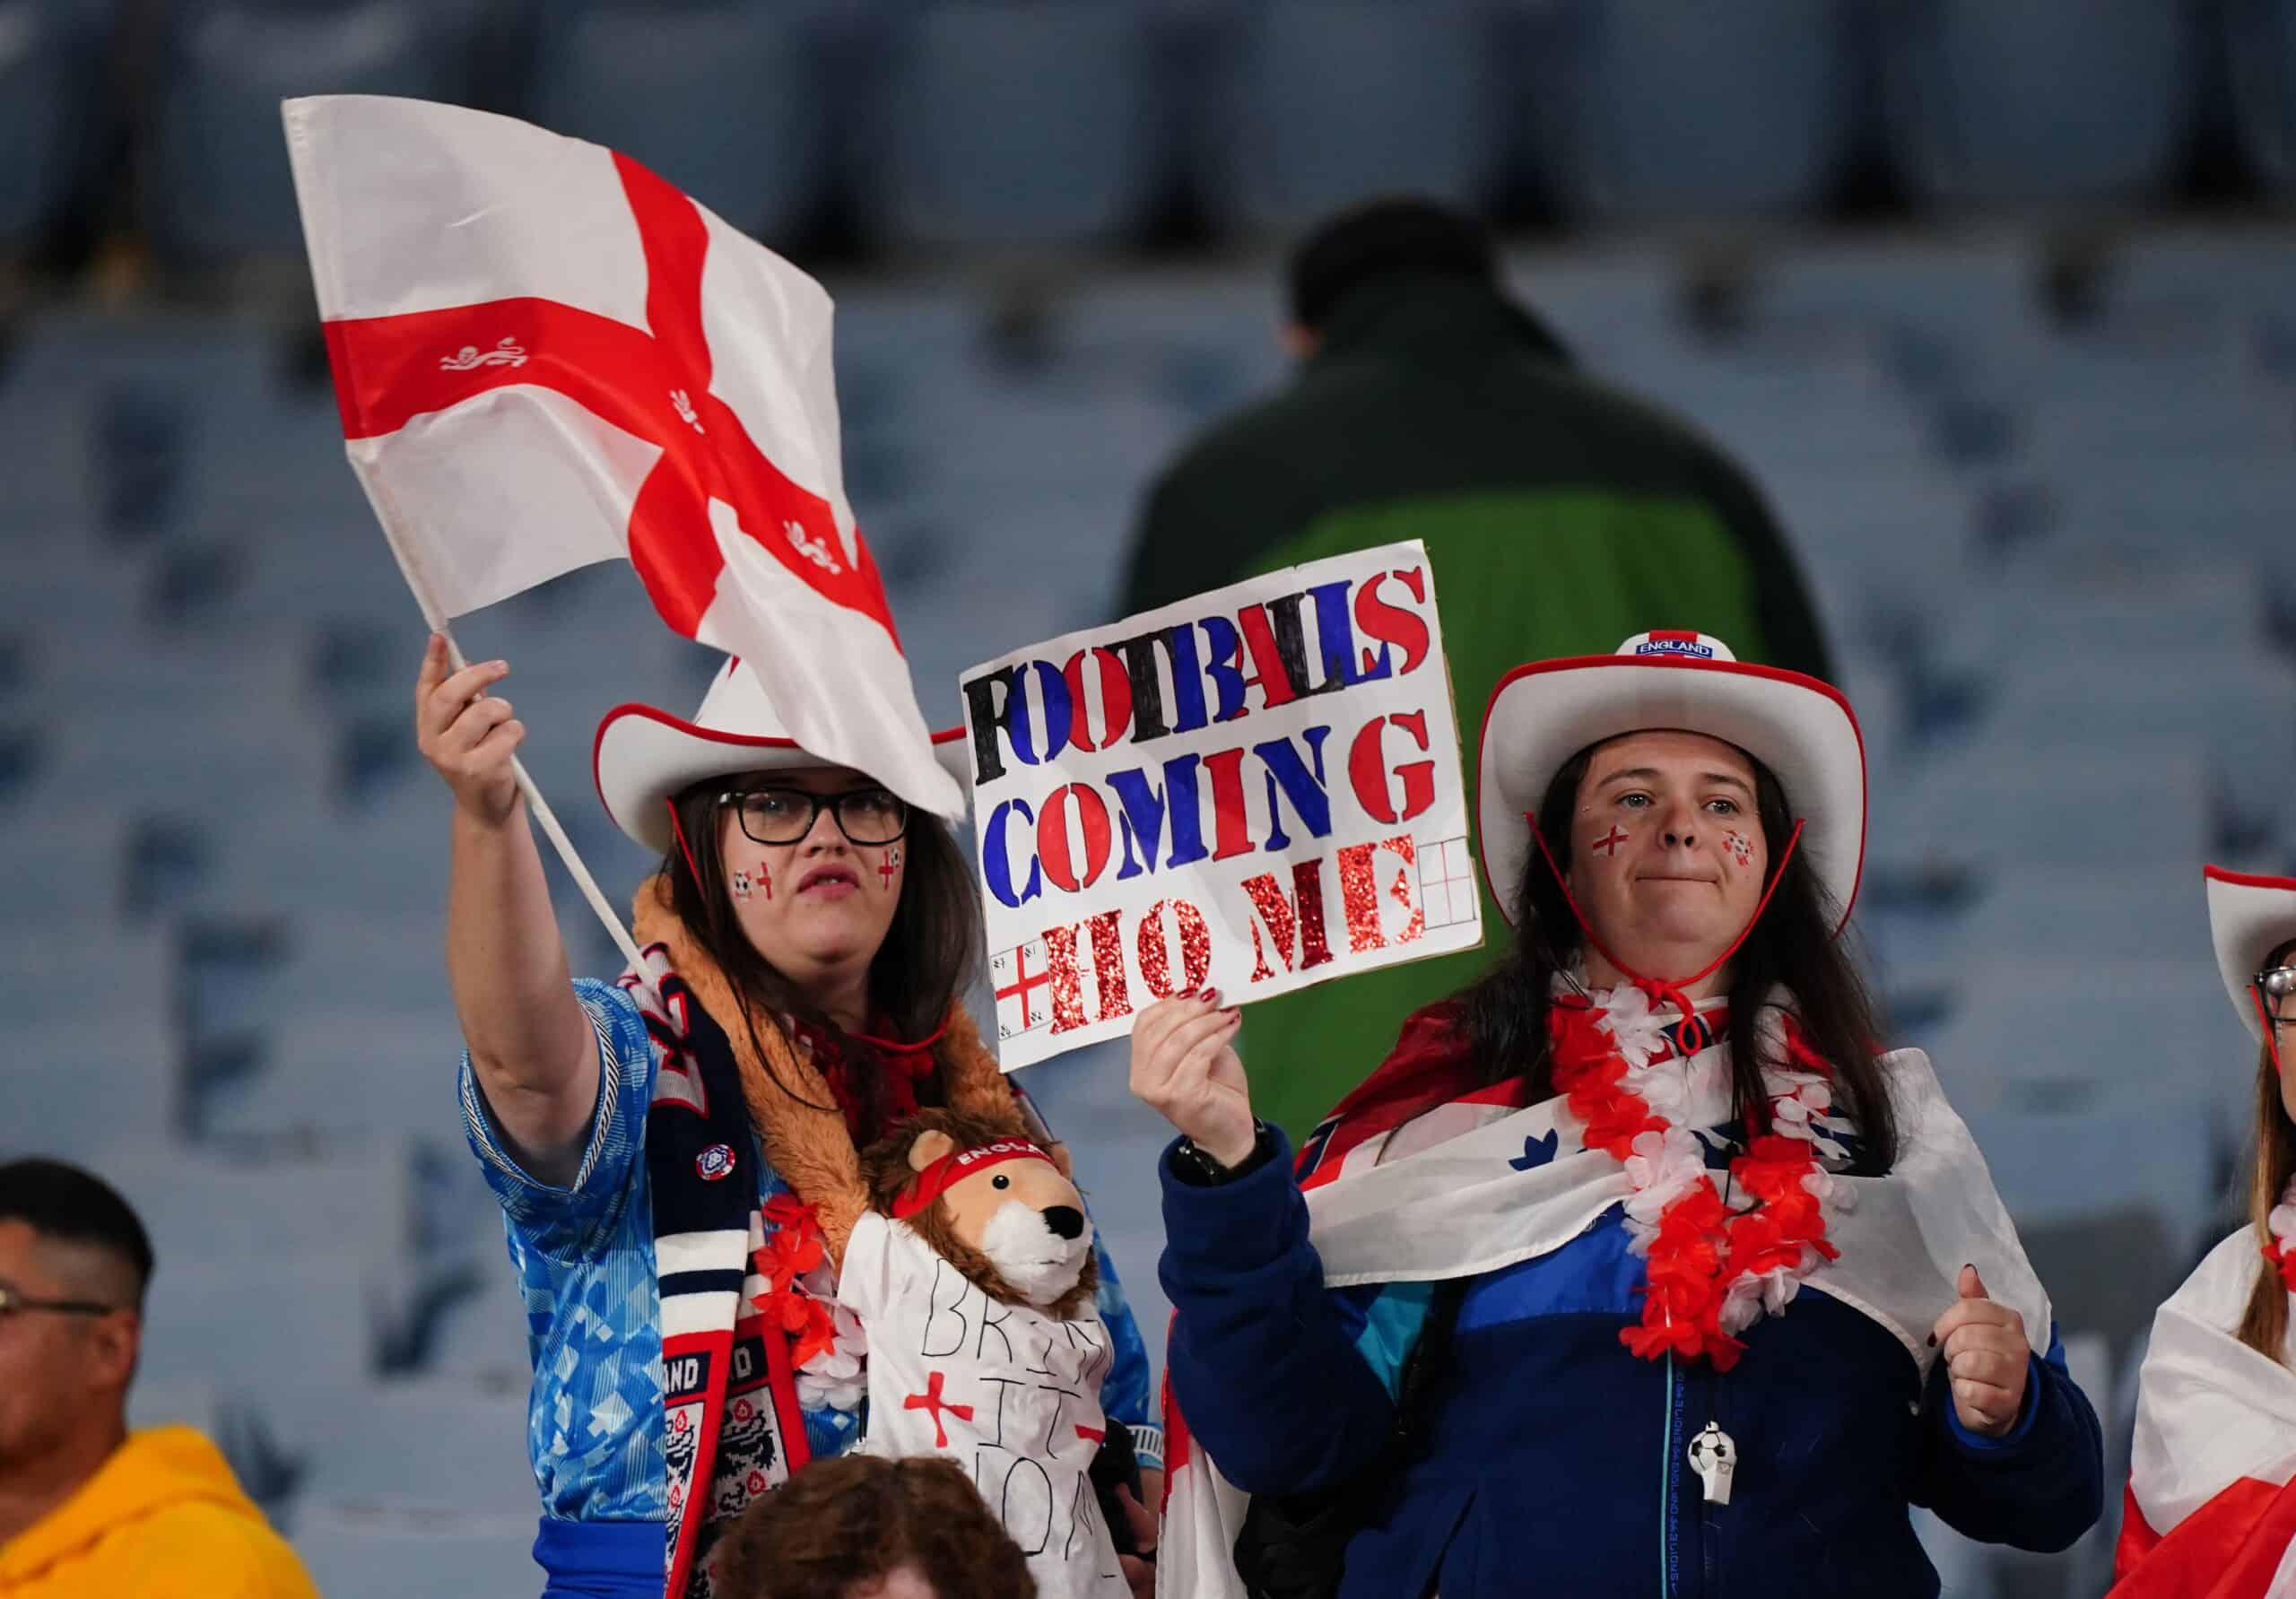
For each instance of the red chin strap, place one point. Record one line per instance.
(895, 1047)
(1663, 990)
(677, 830)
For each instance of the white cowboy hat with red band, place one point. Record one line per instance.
(1544, 712)
(2249, 918)
(644, 755)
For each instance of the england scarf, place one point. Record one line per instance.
(732, 1429)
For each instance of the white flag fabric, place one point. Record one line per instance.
(546, 356)
(2215, 1445)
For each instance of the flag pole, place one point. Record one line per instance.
(386, 514)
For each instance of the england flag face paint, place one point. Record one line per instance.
(1740, 848)
(889, 870)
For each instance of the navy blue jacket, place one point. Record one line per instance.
(1552, 1460)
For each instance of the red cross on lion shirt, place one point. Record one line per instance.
(546, 356)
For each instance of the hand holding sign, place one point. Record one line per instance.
(1184, 1067)
(1258, 788)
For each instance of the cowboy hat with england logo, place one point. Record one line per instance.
(644, 756)
(2249, 918)
(1544, 712)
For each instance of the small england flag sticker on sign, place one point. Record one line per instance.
(1021, 979)
(1446, 882)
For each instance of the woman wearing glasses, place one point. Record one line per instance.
(2211, 1508)
(654, 1141)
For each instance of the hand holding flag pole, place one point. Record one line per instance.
(379, 497)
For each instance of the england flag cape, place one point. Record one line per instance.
(2210, 1508)
(1446, 1194)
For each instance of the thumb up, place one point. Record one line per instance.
(1987, 1358)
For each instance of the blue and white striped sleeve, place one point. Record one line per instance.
(565, 1222)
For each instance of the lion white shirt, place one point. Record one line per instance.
(1005, 1391)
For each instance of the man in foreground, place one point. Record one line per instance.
(86, 1507)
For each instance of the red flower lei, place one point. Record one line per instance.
(1701, 1245)
(2280, 1248)
(793, 1248)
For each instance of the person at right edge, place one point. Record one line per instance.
(2211, 1504)
(1640, 1267)
(1557, 513)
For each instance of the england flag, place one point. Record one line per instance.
(546, 356)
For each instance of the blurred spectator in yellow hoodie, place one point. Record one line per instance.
(85, 1509)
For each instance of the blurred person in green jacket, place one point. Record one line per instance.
(1561, 515)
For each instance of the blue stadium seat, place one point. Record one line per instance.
(221, 1319)
(339, 1069)
(2136, 911)
(2233, 708)
(2058, 1031)
(1011, 126)
(219, 190)
(2152, 616)
(2001, 102)
(356, 1201)
(367, 1554)
(733, 103)
(1996, 805)
(472, 1446)
(1317, 104)
(1645, 111)
(90, 1076)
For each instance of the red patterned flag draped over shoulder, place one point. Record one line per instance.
(2211, 1508)
(546, 356)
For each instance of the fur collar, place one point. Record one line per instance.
(797, 1122)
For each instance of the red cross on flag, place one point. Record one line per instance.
(546, 356)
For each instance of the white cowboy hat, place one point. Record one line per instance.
(2249, 918)
(644, 755)
(1544, 712)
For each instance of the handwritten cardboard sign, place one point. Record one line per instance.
(1253, 790)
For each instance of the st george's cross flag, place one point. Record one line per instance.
(546, 356)
(2210, 1511)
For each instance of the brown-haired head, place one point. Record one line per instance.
(1017, 1229)
(860, 1518)
(1793, 944)
(931, 948)
(2264, 1327)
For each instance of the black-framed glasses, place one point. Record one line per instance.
(2276, 985)
(785, 815)
(14, 1303)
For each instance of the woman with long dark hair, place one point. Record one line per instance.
(2211, 1507)
(1637, 1268)
(655, 1142)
